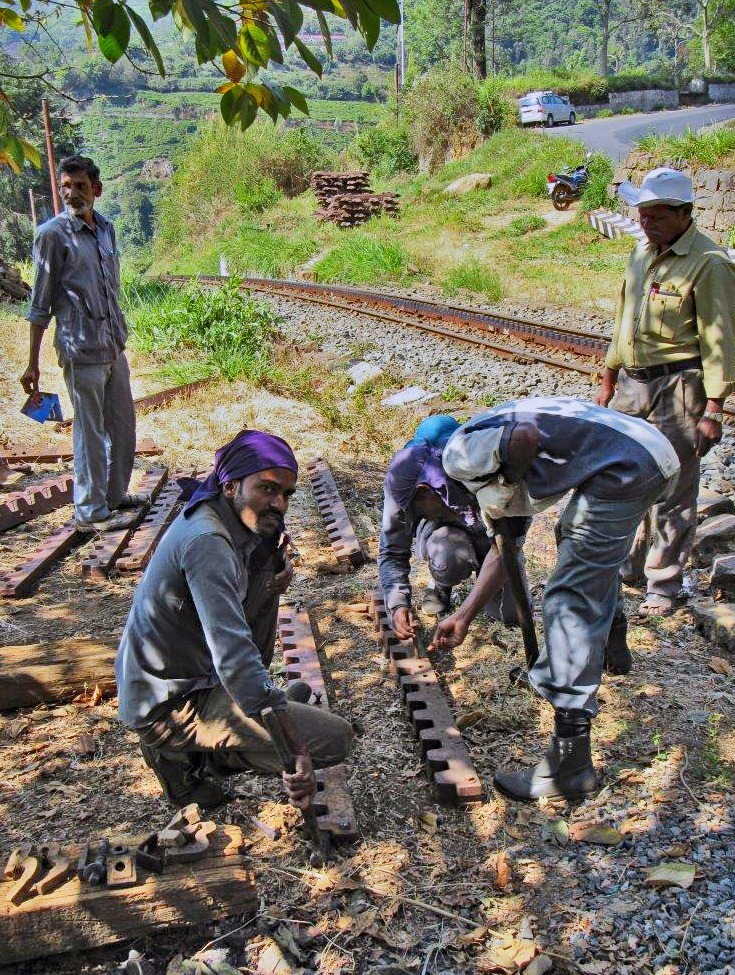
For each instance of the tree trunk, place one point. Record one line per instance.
(478, 17)
(605, 11)
(706, 51)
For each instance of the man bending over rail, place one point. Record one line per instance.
(192, 670)
(522, 457)
(422, 502)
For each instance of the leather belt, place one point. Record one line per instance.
(665, 369)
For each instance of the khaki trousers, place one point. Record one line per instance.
(674, 405)
(210, 721)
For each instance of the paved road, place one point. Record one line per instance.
(616, 136)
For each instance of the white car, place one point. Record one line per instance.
(546, 108)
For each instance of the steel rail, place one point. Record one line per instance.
(575, 341)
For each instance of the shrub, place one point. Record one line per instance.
(226, 330)
(709, 148)
(596, 194)
(385, 149)
(497, 109)
(292, 160)
(524, 225)
(441, 111)
(470, 275)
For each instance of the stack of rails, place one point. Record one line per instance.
(345, 198)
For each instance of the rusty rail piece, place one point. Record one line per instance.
(165, 396)
(47, 495)
(335, 813)
(299, 649)
(109, 546)
(139, 549)
(447, 758)
(340, 529)
(52, 455)
(21, 580)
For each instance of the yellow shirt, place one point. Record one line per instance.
(677, 305)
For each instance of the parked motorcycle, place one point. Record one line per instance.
(568, 186)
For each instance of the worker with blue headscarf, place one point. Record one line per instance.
(422, 502)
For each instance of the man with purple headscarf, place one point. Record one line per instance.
(192, 670)
(422, 502)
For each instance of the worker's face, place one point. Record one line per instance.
(78, 192)
(261, 500)
(663, 224)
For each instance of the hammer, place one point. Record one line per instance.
(509, 554)
(320, 840)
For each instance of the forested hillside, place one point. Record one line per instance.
(136, 123)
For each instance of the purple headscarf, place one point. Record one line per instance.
(421, 463)
(251, 451)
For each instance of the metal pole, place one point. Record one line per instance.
(50, 158)
(401, 46)
(32, 201)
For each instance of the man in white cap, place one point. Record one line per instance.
(671, 361)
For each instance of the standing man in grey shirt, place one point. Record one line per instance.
(78, 282)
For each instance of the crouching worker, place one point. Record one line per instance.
(192, 670)
(525, 455)
(421, 502)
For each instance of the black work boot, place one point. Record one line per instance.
(565, 771)
(299, 691)
(183, 777)
(618, 659)
(437, 600)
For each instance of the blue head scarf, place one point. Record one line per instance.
(435, 430)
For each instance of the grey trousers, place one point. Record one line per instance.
(674, 405)
(103, 435)
(211, 721)
(594, 536)
(453, 556)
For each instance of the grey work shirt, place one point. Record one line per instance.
(187, 630)
(78, 282)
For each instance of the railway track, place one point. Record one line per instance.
(578, 350)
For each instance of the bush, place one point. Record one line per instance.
(385, 149)
(441, 110)
(228, 332)
(710, 148)
(596, 194)
(472, 276)
(497, 109)
(524, 225)
(293, 159)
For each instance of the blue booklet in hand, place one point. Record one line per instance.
(42, 407)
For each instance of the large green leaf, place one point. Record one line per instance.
(254, 43)
(248, 112)
(289, 17)
(369, 27)
(112, 26)
(230, 103)
(297, 99)
(222, 27)
(387, 9)
(324, 27)
(160, 8)
(147, 38)
(12, 19)
(311, 59)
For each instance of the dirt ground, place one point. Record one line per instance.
(426, 889)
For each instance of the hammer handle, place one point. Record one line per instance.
(509, 554)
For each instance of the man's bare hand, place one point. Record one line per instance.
(281, 580)
(301, 785)
(605, 392)
(31, 380)
(449, 633)
(404, 623)
(709, 433)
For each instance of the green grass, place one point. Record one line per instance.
(471, 275)
(362, 258)
(714, 147)
(525, 225)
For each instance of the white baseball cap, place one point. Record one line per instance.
(659, 186)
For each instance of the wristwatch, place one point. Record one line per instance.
(717, 417)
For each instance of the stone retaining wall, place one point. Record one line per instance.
(714, 189)
(721, 93)
(644, 101)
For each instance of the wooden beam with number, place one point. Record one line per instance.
(34, 673)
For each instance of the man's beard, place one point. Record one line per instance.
(80, 210)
